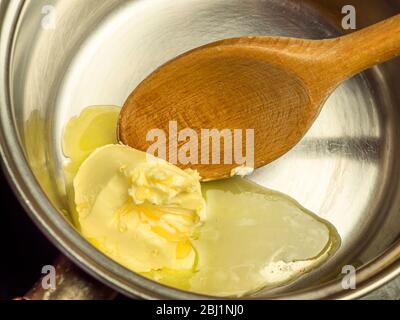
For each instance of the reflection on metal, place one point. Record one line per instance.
(345, 169)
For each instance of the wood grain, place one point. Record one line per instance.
(273, 85)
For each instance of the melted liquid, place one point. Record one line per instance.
(252, 238)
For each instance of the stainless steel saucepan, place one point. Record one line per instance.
(60, 56)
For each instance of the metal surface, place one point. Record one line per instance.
(59, 56)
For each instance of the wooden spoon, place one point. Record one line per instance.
(274, 85)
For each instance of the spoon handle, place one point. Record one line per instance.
(363, 49)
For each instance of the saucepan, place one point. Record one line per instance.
(60, 56)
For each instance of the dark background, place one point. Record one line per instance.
(23, 248)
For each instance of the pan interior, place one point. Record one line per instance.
(72, 54)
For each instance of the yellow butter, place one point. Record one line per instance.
(141, 211)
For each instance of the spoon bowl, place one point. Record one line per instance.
(197, 92)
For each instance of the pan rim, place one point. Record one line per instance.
(371, 276)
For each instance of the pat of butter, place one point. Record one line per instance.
(139, 210)
(94, 127)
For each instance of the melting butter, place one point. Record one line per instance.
(255, 238)
(139, 210)
(248, 238)
(95, 127)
